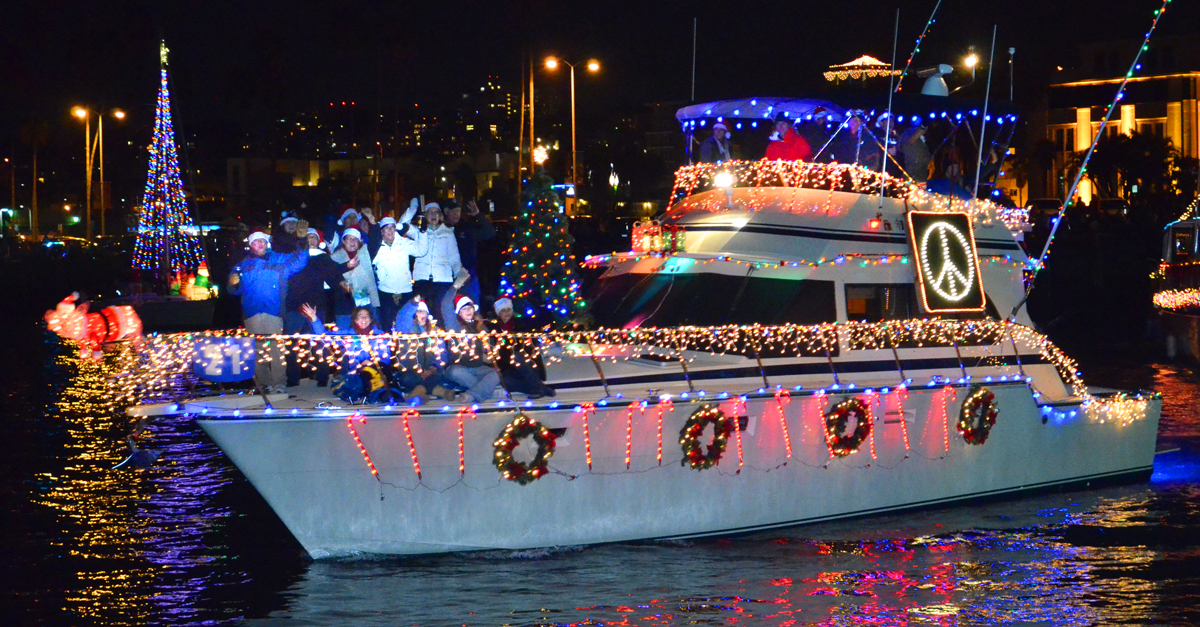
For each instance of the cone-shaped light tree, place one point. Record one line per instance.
(167, 239)
(540, 274)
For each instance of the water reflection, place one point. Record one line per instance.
(187, 541)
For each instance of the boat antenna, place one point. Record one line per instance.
(916, 48)
(1062, 210)
(695, 20)
(887, 133)
(983, 123)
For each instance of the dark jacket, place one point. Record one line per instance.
(710, 150)
(469, 231)
(428, 352)
(283, 242)
(263, 280)
(308, 285)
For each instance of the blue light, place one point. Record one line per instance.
(739, 126)
(737, 111)
(702, 122)
(708, 112)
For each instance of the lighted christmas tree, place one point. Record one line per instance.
(166, 238)
(540, 272)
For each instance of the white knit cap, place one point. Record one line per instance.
(388, 221)
(257, 235)
(503, 303)
(352, 232)
(347, 213)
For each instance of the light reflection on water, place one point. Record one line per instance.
(187, 541)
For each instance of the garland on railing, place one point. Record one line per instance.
(759, 179)
(145, 370)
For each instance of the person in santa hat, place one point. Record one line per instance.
(521, 370)
(363, 290)
(470, 368)
(717, 148)
(261, 279)
(785, 143)
(289, 236)
(310, 287)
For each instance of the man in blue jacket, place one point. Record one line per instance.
(261, 280)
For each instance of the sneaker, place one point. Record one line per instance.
(445, 393)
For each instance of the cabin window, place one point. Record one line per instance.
(872, 303)
(709, 299)
(1182, 243)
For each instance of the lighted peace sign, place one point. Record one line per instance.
(949, 282)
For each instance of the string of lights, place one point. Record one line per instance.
(758, 180)
(145, 369)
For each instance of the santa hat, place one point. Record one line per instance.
(421, 306)
(720, 125)
(257, 235)
(503, 303)
(461, 301)
(312, 231)
(288, 217)
(348, 214)
(433, 205)
(352, 232)
(388, 221)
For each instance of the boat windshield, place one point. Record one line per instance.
(627, 301)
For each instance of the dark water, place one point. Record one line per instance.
(188, 541)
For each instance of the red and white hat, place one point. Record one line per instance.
(257, 235)
(461, 301)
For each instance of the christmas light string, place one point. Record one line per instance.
(782, 398)
(1040, 263)
(758, 184)
(1177, 300)
(739, 408)
(584, 410)
(362, 449)
(641, 407)
(462, 455)
(145, 369)
(412, 448)
(917, 48)
(948, 395)
(863, 259)
(669, 406)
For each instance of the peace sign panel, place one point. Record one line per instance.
(946, 260)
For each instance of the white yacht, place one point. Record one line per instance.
(786, 346)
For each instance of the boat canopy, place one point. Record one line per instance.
(761, 108)
(910, 107)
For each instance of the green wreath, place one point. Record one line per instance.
(835, 423)
(977, 416)
(522, 427)
(694, 452)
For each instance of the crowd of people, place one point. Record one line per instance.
(369, 277)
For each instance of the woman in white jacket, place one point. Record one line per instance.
(439, 271)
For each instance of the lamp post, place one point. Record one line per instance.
(90, 147)
(592, 66)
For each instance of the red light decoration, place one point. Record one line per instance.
(739, 407)
(462, 458)
(629, 431)
(362, 449)
(669, 406)
(587, 433)
(901, 396)
(783, 397)
(948, 395)
(412, 448)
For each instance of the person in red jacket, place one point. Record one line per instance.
(786, 144)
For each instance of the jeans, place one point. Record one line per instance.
(523, 379)
(480, 381)
(271, 371)
(410, 379)
(433, 293)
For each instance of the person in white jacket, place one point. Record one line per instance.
(439, 271)
(398, 244)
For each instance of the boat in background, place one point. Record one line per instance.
(1177, 294)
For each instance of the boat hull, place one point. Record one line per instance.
(312, 471)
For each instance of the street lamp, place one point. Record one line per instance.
(592, 66)
(89, 150)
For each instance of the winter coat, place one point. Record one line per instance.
(262, 281)
(441, 262)
(468, 356)
(283, 242)
(792, 147)
(308, 285)
(710, 150)
(392, 263)
(469, 231)
(428, 352)
(361, 279)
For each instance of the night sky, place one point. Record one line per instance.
(236, 62)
